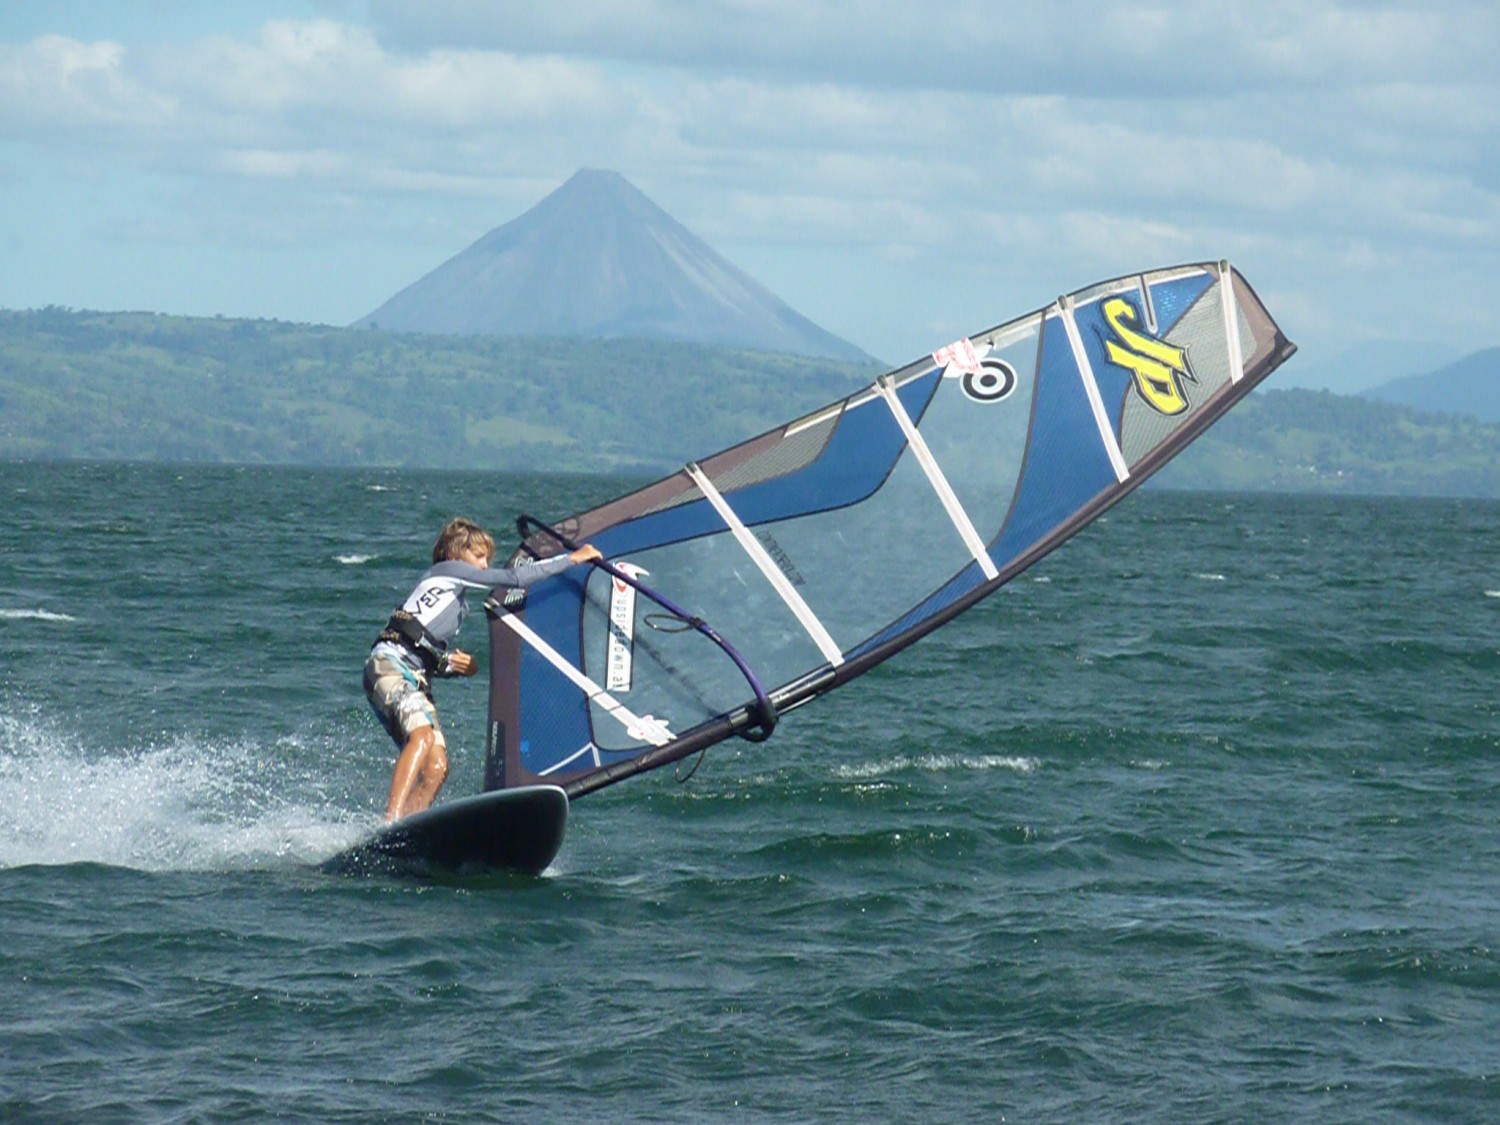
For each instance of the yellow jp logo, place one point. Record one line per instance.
(1159, 367)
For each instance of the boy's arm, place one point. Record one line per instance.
(507, 577)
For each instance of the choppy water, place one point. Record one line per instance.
(1197, 821)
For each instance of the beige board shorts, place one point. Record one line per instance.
(399, 695)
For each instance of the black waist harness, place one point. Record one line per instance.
(405, 630)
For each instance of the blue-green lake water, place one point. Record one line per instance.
(1199, 820)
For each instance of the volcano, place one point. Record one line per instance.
(597, 258)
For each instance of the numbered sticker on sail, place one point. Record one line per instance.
(621, 630)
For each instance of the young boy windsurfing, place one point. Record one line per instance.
(417, 645)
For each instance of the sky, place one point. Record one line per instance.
(901, 173)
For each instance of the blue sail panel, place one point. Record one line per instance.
(553, 714)
(1067, 462)
(977, 426)
(855, 459)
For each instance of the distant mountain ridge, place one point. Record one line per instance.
(598, 259)
(141, 386)
(1363, 366)
(1470, 385)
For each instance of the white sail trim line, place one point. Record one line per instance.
(1009, 334)
(647, 729)
(951, 503)
(1096, 401)
(767, 565)
(1231, 323)
(587, 748)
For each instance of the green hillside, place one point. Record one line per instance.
(140, 386)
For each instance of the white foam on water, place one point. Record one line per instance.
(936, 763)
(183, 805)
(34, 615)
(354, 560)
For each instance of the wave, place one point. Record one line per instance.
(354, 560)
(188, 804)
(34, 615)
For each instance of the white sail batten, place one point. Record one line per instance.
(645, 728)
(767, 566)
(950, 501)
(1231, 323)
(1091, 388)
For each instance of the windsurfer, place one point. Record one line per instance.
(417, 645)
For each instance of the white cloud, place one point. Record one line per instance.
(1076, 47)
(1319, 137)
(323, 67)
(59, 83)
(267, 164)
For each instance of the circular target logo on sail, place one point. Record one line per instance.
(983, 380)
(994, 380)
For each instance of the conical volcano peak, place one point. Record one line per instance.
(594, 189)
(600, 181)
(597, 258)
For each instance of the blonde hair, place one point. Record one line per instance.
(460, 535)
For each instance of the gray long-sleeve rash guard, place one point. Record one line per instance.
(439, 600)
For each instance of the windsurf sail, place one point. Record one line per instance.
(760, 578)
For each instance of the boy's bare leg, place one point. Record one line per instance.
(430, 777)
(421, 769)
